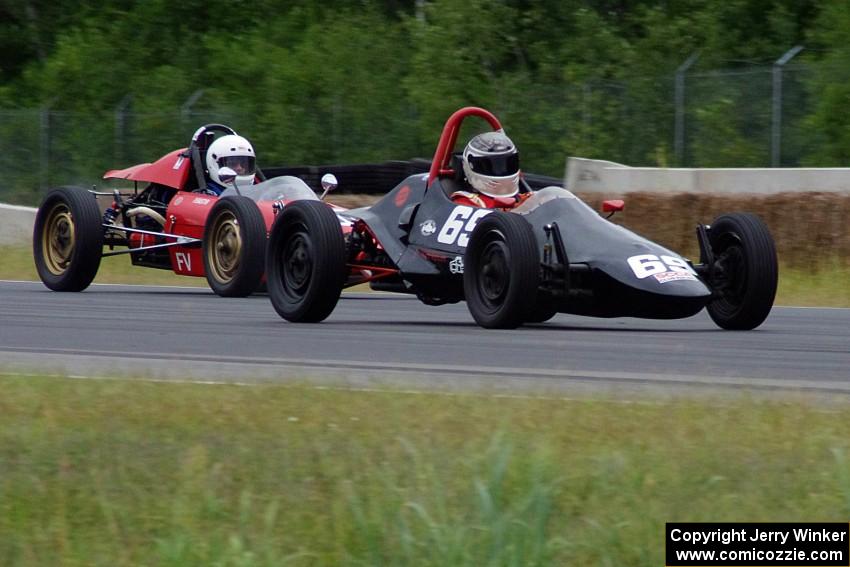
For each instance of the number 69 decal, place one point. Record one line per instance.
(460, 224)
(664, 268)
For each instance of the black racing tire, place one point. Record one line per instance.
(67, 240)
(745, 271)
(234, 246)
(501, 271)
(305, 261)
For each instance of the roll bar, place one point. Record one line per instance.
(440, 166)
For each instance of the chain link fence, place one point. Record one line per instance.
(44, 148)
(735, 118)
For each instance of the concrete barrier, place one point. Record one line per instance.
(16, 224)
(598, 176)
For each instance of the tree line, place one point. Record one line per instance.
(357, 80)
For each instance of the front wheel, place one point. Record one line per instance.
(234, 247)
(501, 271)
(745, 271)
(67, 241)
(305, 262)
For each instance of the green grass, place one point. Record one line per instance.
(128, 473)
(17, 264)
(827, 286)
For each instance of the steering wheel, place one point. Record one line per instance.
(211, 128)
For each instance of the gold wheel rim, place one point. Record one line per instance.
(59, 238)
(226, 248)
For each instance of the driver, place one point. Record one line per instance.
(491, 167)
(234, 152)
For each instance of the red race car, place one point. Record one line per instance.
(171, 223)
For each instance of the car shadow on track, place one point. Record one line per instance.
(531, 327)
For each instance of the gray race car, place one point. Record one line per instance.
(551, 254)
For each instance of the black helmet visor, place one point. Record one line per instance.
(495, 166)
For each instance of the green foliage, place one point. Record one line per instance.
(462, 50)
(829, 89)
(364, 80)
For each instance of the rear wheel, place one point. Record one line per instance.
(501, 271)
(68, 239)
(234, 247)
(305, 262)
(745, 271)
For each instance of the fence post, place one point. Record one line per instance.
(586, 120)
(679, 130)
(120, 128)
(187, 106)
(336, 112)
(44, 146)
(776, 129)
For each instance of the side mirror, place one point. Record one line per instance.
(329, 183)
(612, 206)
(227, 175)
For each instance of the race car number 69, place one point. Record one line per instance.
(460, 224)
(645, 265)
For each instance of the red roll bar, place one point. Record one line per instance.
(443, 155)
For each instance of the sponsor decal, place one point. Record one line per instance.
(673, 276)
(200, 201)
(183, 259)
(428, 227)
(402, 196)
(178, 163)
(663, 268)
(178, 200)
(460, 224)
(456, 265)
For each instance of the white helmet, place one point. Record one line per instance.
(234, 152)
(491, 164)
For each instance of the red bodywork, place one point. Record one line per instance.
(187, 211)
(171, 170)
(186, 216)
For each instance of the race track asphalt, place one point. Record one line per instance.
(377, 340)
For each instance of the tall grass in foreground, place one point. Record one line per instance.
(123, 473)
